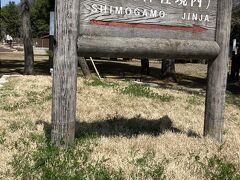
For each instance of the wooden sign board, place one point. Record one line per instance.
(140, 28)
(168, 19)
(148, 28)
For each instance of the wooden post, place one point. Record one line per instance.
(27, 38)
(84, 66)
(145, 66)
(65, 73)
(233, 66)
(168, 68)
(146, 47)
(217, 75)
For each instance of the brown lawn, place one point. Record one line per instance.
(133, 133)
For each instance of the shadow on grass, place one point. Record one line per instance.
(132, 71)
(120, 126)
(126, 70)
(234, 88)
(17, 67)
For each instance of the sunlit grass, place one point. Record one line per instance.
(124, 131)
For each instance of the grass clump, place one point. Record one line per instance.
(218, 169)
(14, 126)
(18, 125)
(2, 137)
(37, 158)
(29, 98)
(146, 167)
(13, 106)
(132, 89)
(145, 91)
(233, 99)
(48, 162)
(98, 82)
(194, 100)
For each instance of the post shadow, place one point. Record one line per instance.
(124, 127)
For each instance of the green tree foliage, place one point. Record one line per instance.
(40, 13)
(10, 19)
(235, 31)
(236, 24)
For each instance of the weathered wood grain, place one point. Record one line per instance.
(217, 74)
(173, 17)
(65, 72)
(84, 66)
(146, 48)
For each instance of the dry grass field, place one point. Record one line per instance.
(125, 130)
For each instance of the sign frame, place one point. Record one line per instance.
(100, 28)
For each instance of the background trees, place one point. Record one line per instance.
(235, 33)
(40, 13)
(236, 24)
(10, 20)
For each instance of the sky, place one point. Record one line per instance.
(4, 2)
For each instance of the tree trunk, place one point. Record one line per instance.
(238, 66)
(168, 68)
(84, 66)
(27, 38)
(51, 50)
(145, 66)
(235, 67)
(217, 75)
(65, 73)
